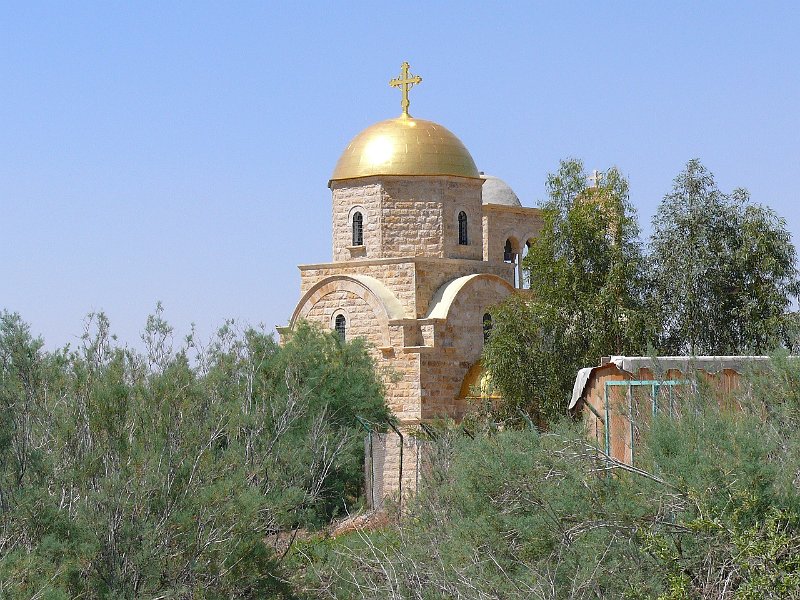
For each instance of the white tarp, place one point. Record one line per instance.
(580, 383)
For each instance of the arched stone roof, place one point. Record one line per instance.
(439, 307)
(384, 303)
(394, 310)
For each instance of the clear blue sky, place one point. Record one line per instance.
(180, 151)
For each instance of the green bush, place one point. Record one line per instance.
(711, 510)
(131, 475)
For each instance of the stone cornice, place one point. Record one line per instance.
(337, 184)
(513, 210)
(402, 260)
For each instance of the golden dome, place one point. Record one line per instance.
(405, 146)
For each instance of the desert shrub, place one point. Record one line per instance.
(173, 472)
(710, 511)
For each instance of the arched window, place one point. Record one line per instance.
(462, 228)
(358, 229)
(508, 252)
(487, 326)
(340, 325)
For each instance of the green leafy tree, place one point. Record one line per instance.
(723, 270)
(586, 289)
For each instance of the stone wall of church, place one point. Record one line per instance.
(442, 375)
(401, 372)
(501, 223)
(413, 282)
(459, 346)
(397, 275)
(407, 216)
(411, 227)
(361, 319)
(419, 217)
(364, 197)
(463, 195)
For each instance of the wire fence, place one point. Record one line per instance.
(393, 461)
(396, 458)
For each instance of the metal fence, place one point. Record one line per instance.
(644, 399)
(393, 462)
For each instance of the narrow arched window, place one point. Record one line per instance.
(358, 229)
(508, 252)
(462, 228)
(340, 325)
(487, 326)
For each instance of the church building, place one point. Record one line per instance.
(423, 244)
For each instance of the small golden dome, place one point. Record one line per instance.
(405, 146)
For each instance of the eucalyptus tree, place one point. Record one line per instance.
(723, 270)
(586, 272)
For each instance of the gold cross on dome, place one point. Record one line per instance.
(405, 82)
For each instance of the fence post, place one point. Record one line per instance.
(400, 482)
(365, 425)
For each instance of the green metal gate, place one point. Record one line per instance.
(657, 388)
